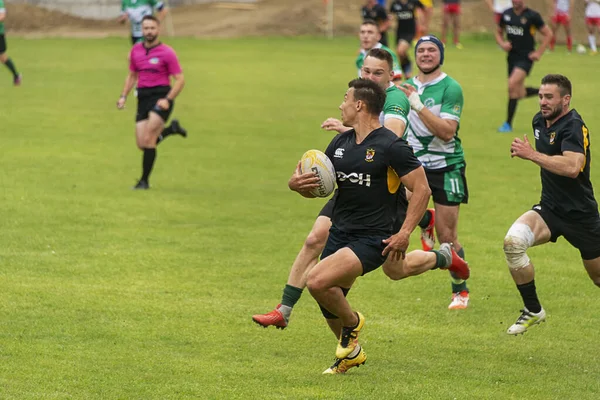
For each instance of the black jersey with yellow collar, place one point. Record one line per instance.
(368, 179)
(570, 197)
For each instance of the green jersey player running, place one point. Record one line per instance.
(4, 59)
(369, 36)
(135, 11)
(436, 102)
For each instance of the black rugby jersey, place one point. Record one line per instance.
(566, 196)
(520, 30)
(377, 13)
(404, 10)
(368, 180)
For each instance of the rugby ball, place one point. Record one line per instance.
(581, 49)
(316, 161)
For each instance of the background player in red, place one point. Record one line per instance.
(451, 16)
(562, 16)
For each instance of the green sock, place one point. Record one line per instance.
(424, 223)
(459, 285)
(440, 260)
(291, 295)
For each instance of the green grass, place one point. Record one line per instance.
(115, 294)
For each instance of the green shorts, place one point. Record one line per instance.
(448, 185)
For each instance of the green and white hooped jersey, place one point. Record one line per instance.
(2, 9)
(360, 60)
(396, 106)
(138, 9)
(444, 98)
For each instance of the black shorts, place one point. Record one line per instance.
(2, 44)
(147, 98)
(136, 39)
(406, 36)
(327, 210)
(522, 62)
(584, 235)
(367, 248)
(448, 186)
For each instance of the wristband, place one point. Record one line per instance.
(123, 96)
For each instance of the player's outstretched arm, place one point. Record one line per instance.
(333, 124)
(569, 164)
(303, 183)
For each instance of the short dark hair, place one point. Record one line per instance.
(383, 55)
(151, 18)
(370, 22)
(369, 92)
(563, 83)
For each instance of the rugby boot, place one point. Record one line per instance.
(349, 338)
(460, 301)
(341, 366)
(455, 264)
(274, 318)
(526, 320)
(427, 234)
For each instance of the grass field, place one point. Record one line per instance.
(110, 293)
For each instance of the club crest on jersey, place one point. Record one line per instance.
(370, 155)
(456, 108)
(153, 61)
(429, 102)
(523, 20)
(552, 137)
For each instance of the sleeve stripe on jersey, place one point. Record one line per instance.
(449, 116)
(586, 144)
(396, 116)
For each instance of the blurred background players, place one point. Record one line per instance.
(376, 12)
(135, 11)
(562, 16)
(567, 206)
(3, 57)
(498, 7)
(451, 18)
(151, 65)
(406, 29)
(592, 22)
(369, 39)
(520, 24)
(436, 101)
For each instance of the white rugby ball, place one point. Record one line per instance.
(316, 161)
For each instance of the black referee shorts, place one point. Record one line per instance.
(147, 98)
(583, 234)
(522, 62)
(2, 44)
(406, 36)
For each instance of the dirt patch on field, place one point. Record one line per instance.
(266, 17)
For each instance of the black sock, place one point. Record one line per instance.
(148, 163)
(291, 295)
(531, 91)
(512, 107)
(529, 296)
(10, 65)
(168, 130)
(424, 223)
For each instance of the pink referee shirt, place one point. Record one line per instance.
(154, 65)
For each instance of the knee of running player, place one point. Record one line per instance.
(315, 282)
(516, 242)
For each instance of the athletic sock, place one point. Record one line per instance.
(10, 65)
(168, 130)
(148, 163)
(569, 43)
(440, 260)
(529, 296)
(459, 285)
(512, 107)
(531, 91)
(424, 223)
(592, 40)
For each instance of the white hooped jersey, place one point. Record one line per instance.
(501, 5)
(593, 9)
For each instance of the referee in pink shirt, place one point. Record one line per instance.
(151, 65)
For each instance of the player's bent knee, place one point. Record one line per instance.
(314, 283)
(518, 239)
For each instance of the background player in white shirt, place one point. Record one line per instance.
(498, 7)
(592, 21)
(562, 16)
